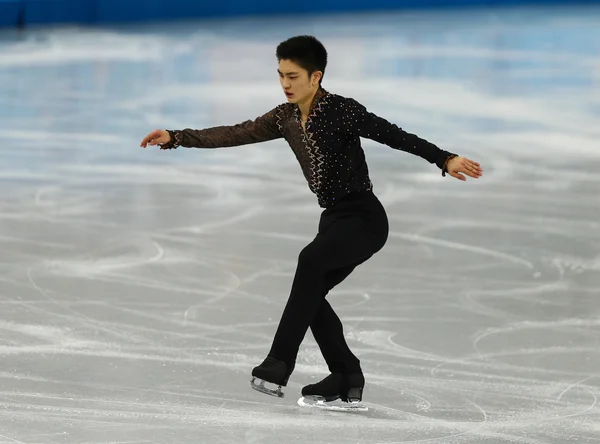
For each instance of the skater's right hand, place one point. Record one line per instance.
(156, 137)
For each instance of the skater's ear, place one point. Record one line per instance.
(316, 77)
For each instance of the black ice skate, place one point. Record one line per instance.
(271, 371)
(335, 392)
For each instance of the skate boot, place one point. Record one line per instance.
(271, 371)
(346, 389)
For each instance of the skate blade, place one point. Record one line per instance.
(259, 385)
(338, 405)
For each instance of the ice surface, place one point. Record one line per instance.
(139, 287)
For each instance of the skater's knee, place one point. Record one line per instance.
(311, 256)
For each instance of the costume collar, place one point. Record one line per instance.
(316, 102)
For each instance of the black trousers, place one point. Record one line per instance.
(349, 233)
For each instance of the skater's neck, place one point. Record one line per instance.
(306, 104)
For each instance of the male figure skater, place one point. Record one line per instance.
(323, 130)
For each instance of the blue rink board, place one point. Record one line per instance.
(90, 12)
(9, 12)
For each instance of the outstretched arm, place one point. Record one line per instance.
(261, 129)
(376, 128)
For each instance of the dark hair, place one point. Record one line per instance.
(304, 50)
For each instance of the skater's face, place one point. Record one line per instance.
(297, 84)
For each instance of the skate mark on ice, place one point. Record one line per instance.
(12, 440)
(209, 227)
(575, 384)
(87, 321)
(475, 305)
(91, 268)
(465, 247)
(434, 423)
(581, 412)
(190, 313)
(422, 406)
(206, 330)
(19, 240)
(533, 325)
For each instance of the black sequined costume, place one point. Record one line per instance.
(353, 225)
(329, 150)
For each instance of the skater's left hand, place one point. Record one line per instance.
(459, 165)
